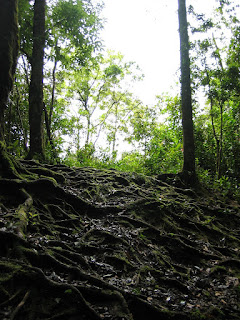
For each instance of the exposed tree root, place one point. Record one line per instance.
(20, 305)
(98, 244)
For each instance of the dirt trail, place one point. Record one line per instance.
(82, 243)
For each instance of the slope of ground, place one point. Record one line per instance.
(82, 243)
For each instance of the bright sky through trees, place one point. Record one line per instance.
(146, 31)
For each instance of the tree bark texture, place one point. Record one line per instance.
(187, 121)
(36, 84)
(8, 53)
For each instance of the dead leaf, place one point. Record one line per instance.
(232, 281)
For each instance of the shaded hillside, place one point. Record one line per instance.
(100, 244)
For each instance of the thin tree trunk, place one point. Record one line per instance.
(47, 122)
(78, 136)
(88, 129)
(212, 120)
(21, 123)
(48, 117)
(221, 105)
(219, 160)
(53, 92)
(215, 136)
(26, 71)
(187, 122)
(114, 133)
(36, 85)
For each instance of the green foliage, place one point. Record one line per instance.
(216, 69)
(75, 24)
(102, 105)
(25, 19)
(93, 113)
(164, 152)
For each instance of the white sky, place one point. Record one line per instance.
(146, 31)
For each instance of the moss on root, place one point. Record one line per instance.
(8, 166)
(105, 245)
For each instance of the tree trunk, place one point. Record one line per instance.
(53, 92)
(8, 53)
(219, 159)
(88, 129)
(187, 122)
(115, 133)
(24, 131)
(8, 61)
(36, 85)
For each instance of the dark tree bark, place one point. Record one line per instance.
(8, 53)
(187, 121)
(8, 61)
(36, 84)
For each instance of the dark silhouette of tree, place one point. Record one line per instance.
(36, 84)
(8, 53)
(186, 100)
(8, 61)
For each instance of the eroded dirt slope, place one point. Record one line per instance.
(100, 244)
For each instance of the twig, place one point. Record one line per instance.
(20, 305)
(10, 299)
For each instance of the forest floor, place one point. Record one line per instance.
(83, 243)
